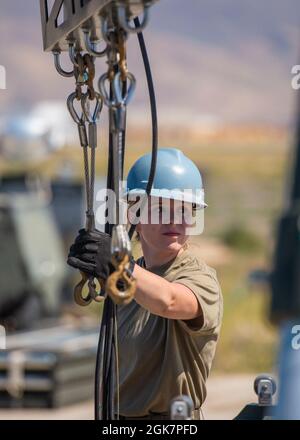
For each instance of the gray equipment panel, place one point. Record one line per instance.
(32, 256)
(14, 280)
(48, 368)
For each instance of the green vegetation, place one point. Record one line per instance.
(248, 342)
(240, 239)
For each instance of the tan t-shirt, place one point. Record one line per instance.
(162, 358)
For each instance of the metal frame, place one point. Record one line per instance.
(77, 14)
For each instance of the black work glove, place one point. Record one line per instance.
(91, 254)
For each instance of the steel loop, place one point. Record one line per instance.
(72, 54)
(103, 90)
(124, 22)
(90, 45)
(73, 112)
(91, 117)
(117, 86)
(57, 64)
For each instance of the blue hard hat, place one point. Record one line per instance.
(176, 177)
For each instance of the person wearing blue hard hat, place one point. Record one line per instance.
(168, 333)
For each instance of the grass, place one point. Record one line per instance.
(239, 238)
(248, 342)
(243, 214)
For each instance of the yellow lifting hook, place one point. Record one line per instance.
(120, 286)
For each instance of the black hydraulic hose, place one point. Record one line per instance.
(101, 357)
(105, 362)
(99, 391)
(153, 116)
(111, 373)
(109, 368)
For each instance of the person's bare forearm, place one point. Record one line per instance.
(163, 298)
(153, 292)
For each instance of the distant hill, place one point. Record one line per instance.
(212, 60)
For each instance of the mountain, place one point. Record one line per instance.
(212, 60)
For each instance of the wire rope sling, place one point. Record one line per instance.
(84, 25)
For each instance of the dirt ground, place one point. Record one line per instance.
(227, 395)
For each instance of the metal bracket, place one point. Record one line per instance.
(181, 408)
(265, 388)
(65, 20)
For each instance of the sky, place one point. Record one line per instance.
(212, 60)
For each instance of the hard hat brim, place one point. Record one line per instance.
(179, 195)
